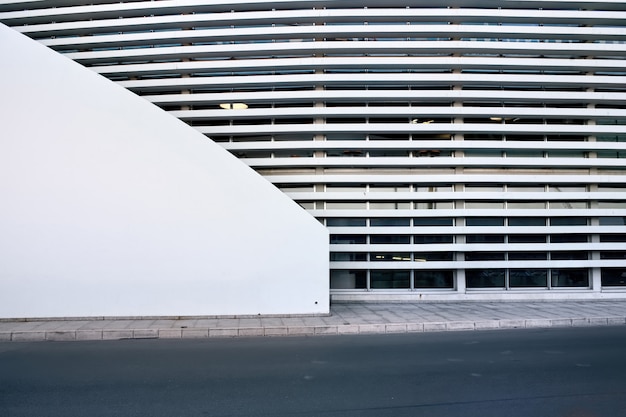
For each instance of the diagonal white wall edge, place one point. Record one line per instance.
(111, 207)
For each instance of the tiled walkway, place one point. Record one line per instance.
(349, 318)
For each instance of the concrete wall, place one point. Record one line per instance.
(111, 207)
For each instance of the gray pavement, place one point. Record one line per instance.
(345, 318)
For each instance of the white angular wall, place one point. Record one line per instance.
(111, 207)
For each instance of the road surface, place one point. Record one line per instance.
(570, 372)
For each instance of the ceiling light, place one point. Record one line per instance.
(234, 106)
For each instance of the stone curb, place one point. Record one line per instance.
(375, 328)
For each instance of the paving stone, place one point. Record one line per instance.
(326, 330)
(117, 334)
(414, 327)
(301, 331)
(28, 336)
(561, 322)
(88, 334)
(395, 328)
(170, 333)
(195, 333)
(145, 334)
(460, 325)
(616, 320)
(61, 336)
(345, 319)
(538, 323)
(435, 327)
(580, 322)
(223, 332)
(252, 331)
(512, 324)
(371, 328)
(487, 325)
(348, 329)
(598, 321)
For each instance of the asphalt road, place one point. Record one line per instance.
(574, 372)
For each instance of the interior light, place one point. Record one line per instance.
(234, 106)
(496, 119)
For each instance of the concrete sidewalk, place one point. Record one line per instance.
(348, 318)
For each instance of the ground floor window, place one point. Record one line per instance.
(390, 279)
(341, 279)
(381, 279)
(485, 278)
(613, 277)
(527, 278)
(433, 279)
(494, 278)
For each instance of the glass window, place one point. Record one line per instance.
(527, 256)
(570, 277)
(431, 205)
(612, 221)
(484, 204)
(613, 255)
(525, 188)
(390, 188)
(527, 238)
(393, 221)
(525, 204)
(347, 239)
(484, 221)
(390, 205)
(613, 277)
(433, 279)
(613, 238)
(433, 256)
(528, 278)
(485, 278)
(345, 222)
(524, 154)
(348, 257)
(439, 188)
(381, 279)
(527, 221)
(484, 256)
(390, 256)
(484, 238)
(571, 238)
(297, 188)
(568, 221)
(611, 188)
(433, 221)
(337, 205)
(483, 188)
(426, 239)
(390, 239)
(348, 279)
(569, 256)
(568, 204)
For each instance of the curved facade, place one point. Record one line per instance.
(456, 150)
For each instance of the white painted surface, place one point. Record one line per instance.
(111, 207)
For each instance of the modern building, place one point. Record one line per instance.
(462, 149)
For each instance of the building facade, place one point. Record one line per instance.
(454, 149)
